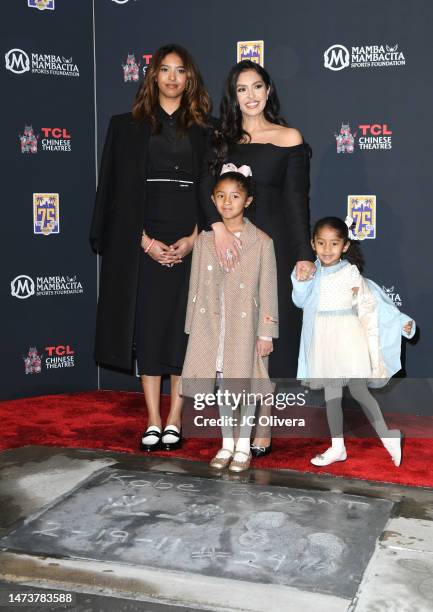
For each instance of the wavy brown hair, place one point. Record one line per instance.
(195, 105)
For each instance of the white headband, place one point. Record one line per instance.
(245, 170)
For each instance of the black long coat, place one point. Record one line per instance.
(116, 231)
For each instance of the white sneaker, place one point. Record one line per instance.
(393, 446)
(330, 456)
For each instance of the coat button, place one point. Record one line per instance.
(176, 167)
(242, 286)
(202, 310)
(243, 315)
(210, 268)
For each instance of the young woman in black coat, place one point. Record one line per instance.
(144, 224)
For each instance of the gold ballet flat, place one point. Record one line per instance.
(220, 463)
(238, 465)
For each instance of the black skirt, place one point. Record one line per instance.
(160, 340)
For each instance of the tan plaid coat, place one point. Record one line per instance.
(251, 310)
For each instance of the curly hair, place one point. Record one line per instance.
(231, 129)
(195, 104)
(354, 253)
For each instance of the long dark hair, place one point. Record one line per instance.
(231, 130)
(354, 252)
(195, 104)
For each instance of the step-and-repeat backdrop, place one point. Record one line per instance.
(47, 272)
(354, 77)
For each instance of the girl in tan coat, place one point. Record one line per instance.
(232, 317)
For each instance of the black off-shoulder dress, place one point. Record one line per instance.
(281, 209)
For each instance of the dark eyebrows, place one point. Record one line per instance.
(255, 83)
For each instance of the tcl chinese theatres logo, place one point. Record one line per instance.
(131, 67)
(55, 357)
(54, 139)
(60, 356)
(371, 136)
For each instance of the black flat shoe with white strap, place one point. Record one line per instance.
(151, 439)
(260, 451)
(171, 438)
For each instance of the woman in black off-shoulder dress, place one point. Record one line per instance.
(251, 132)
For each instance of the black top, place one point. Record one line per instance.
(281, 184)
(170, 154)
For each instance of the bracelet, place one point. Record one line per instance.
(149, 246)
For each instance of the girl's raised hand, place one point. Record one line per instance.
(304, 270)
(227, 246)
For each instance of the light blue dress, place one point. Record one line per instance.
(386, 331)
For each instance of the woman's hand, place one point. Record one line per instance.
(158, 251)
(227, 246)
(264, 347)
(304, 270)
(181, 248)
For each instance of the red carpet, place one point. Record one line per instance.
(114, 420)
